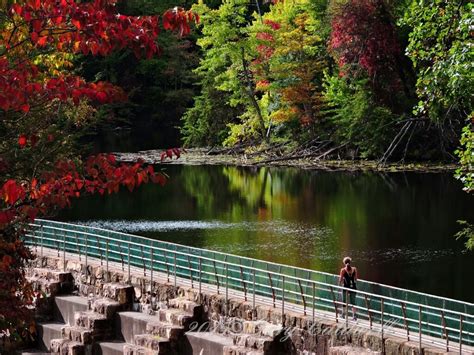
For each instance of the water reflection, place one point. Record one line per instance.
(397, 227)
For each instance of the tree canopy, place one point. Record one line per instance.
(44, 107)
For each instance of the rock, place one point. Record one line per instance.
(351, 350)
(153, 342)
(91, 320)
(123, 294)
(99, 273)
(106, 307)
(138, 293)
(163, 330)
(77, 334)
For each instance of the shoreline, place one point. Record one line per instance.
(199, 156)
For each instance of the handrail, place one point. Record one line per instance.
(451, 328)
(258, 269)
(239, 265)
(339, 288)
(269, 263)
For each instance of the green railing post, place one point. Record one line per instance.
(121, 257)
(78, 246)
(283, 300)
(302, 296)
(86, 254)
(190, 271)
(165, 256)
(226, 289)
(200, 279)
(253, 296)
(347, 309)
(42, 238)
(367, 304)
(107, 258)
(107, 252)
(99, 249)
(64, 250)
(419, 328)
(335, 304)
(273, 290)
(35, 243)
(143, 260)
(216, 276)
(445, 330)
(243, 282)
(381, 319)
(175, 270)
(55, 241)
(151, 269)
(314, 301)
(129, 260)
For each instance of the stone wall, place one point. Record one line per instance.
(322, 337)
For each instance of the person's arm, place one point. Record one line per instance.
(356, 274)
(341, 277)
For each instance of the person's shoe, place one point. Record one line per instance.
(343, 316)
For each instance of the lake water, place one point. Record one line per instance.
(398, 228)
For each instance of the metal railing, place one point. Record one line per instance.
(420, 317)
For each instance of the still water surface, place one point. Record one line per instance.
(397, 227)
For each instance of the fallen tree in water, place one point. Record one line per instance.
(324, 161)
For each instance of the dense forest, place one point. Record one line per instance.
(378, 79)
(372, 79)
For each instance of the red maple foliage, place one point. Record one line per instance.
(274, 25)
(363, 36)
(29, 94)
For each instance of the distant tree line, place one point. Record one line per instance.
(391, 80)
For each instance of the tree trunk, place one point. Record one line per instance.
(251, 95)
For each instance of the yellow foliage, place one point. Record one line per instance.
(55, 63)
(294, 64)
(80, 114)
(284, 115)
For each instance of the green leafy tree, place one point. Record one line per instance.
(227, 50)
(440, 46)
(206, 123)
(465, 173)
(259, 71)
(356, 117)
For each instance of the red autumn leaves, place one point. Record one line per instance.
(23, 89)
(89, 28)
(265, 51)
(99, 174)
(178, 19)
(33, 93)
(11, 192)
(32, 140)
(26, 87)
(363, 34)
(22, 141)
(95, 27)
(169, 153)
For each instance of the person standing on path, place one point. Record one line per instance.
(347, 278)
